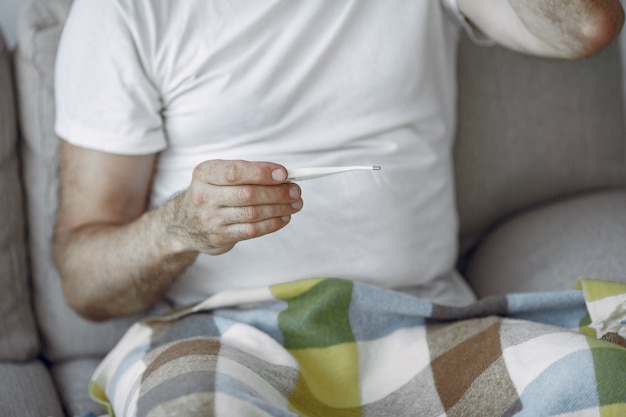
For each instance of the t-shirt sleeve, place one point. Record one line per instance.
(474, 33)
(105, 99)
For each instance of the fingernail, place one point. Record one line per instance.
(297, 205)
(279, 175)
(294, 192)
(285, 218)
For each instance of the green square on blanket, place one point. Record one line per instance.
(323, 310)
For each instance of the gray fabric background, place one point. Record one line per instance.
(27, 391)
(534, 130)
(18, 337)
(64, 333)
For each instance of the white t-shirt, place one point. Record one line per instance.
(300, 83)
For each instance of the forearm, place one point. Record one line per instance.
(115, 269)
(554, 28)
(116, 258)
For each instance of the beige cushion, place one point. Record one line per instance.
(534, 130)
(64, 333)
(550, 247)
(18, 337)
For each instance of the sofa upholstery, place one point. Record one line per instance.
(533, 133)
(17, 327)
(553, 245)
(533, 130)
(27, 386)
(541, 188)
(63, 333)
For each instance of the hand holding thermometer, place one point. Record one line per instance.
(301, 174)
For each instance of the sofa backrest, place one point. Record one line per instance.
(18, 335)
(532, 130)
(64, 333)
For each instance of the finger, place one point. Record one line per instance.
(246, 231)
(245, 195)
(254, 195)
(254, 214)
(221, 172)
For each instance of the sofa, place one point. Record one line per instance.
(540, 170)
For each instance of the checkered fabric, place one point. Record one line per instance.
(331, 347)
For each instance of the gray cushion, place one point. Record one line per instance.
(72, 379)
(18, 340)
(26, 390)
(64, 333)
(550, 247)
(534, 130)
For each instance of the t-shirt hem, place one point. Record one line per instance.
(147, 143)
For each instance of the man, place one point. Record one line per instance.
(164, 105)
(146, 114)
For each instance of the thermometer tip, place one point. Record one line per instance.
(376, 168)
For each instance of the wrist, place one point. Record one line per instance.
(173, 236)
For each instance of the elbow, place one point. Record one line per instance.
(602, 25)
(89, 302)
(82, 305)
(83, 308)
(73, 288)
(77, 297)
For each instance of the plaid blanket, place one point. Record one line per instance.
(330, 347)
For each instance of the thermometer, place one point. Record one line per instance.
(301, 174)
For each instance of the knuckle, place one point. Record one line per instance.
(231, 172)
(252, 230)
(198, 172)
(206, 221)
(250, 213)
(246, 194)
(197, 198)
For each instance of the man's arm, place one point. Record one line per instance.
(116, 258)
(551, 28)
